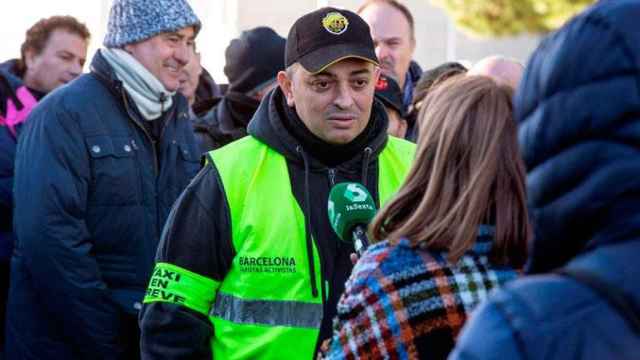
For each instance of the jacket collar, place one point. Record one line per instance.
(267, 126)
(103, 71)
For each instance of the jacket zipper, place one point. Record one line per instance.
(332, 177)
(156, 165)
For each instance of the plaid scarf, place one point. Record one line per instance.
(405, 303)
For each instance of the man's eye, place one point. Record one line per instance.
(321, 85)
(360, 83)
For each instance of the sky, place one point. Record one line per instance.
(17, 17)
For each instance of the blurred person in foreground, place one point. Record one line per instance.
(579, 130)
(98, 166)
(456, 230)
(252, 63)
(52, 54)
(249, 266)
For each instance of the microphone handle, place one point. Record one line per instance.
(360, 240)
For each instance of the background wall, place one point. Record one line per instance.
(437, 38)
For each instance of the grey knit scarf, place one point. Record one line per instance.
(144, 88)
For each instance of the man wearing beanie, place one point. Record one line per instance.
(98, 166)
(258, 275)
(252, 63)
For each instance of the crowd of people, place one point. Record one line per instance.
(147, 211)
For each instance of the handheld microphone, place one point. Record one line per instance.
(351, 208)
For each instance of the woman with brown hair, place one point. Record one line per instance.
(456, 229)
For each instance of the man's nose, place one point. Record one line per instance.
(344, 97)
(76, 69)
(382, 51)
(183, 54)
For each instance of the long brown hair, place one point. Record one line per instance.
(467, 171)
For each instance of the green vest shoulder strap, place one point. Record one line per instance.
(394, 163)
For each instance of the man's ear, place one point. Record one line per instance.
(29, 58)
(286, 85)
(128, 48)
(376, 74)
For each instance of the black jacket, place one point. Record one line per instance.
(8, 86)
(92, 192)
(579, 131)
(169, 331)
(413, 76)
(225, 122)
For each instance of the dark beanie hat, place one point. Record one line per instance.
(254, 59)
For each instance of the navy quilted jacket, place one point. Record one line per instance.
(92, 193)
(579, 113)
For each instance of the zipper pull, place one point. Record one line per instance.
(332, 177)
(163, 98)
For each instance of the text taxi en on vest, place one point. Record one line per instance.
(160, 282)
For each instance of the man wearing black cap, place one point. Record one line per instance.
(248, 266)
(252, 63)
(389, 93)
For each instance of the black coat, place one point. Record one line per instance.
(92, 192)
(227, 121)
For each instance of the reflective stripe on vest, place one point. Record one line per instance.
(264, 307)
(265, 312)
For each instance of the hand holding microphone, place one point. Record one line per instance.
(351, 208)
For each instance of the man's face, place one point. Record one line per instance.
(392, 37)
(190, 78)
(165, 55)
(60, 61)
(397, 125)
(335, 104)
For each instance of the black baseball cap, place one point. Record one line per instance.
(322, 38)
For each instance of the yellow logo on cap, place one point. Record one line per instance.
(335, 23)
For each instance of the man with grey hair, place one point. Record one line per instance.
(98, 167)
(504, 71)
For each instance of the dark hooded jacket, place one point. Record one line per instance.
(8, 87)
(413, 76)
(92, 191)
(16, 102)
(580, 138)
(225, 122)
(12, 91)
(11, 67)
(170, 331)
